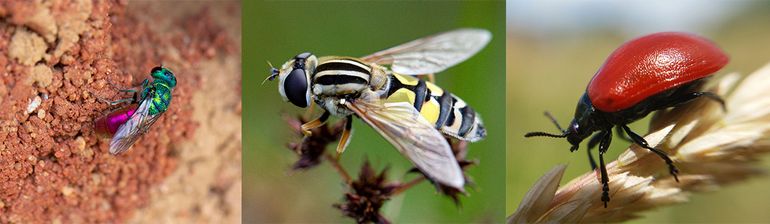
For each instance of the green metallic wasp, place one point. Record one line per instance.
(128, 124)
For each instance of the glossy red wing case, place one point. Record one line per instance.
(648, 65)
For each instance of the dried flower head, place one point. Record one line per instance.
(311, 148)
(711, 147)
(371, 190)
(368, 193)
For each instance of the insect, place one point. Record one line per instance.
(412, 114)
(650, 73)
(127, 124)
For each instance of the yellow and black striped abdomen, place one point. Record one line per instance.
(448, 112)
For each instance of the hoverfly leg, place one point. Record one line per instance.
(346, 134)
(643, 143)
(310, 109)
(431, 78)
(306, 127)
(605, 179)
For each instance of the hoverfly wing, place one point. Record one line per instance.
(434, 53)
(134, 128)
(414, 137)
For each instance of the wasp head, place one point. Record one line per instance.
(165, 75)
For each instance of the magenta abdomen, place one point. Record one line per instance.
(108, 124)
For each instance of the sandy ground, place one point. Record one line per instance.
(59, 57)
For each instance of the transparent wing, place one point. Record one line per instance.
(134, 128)
(414, 137)
(434, 53)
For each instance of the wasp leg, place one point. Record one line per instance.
(346, 134)
(591, 144)
(116, 102)
(306, 127)
(622, 134)
(145, 83)
(603, 146)
(643, 143)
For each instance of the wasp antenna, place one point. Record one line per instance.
(543, 134)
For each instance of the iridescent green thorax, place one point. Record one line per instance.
(159, 91)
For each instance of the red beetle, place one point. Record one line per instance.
(650, 73)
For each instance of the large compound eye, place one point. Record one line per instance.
(296, 88)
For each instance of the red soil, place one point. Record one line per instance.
(68, 54)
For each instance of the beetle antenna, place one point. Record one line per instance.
(543, 134)
(273, 73)
(553, 120)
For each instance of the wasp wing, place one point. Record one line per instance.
(434, 53)
(135, 127)
(414, 137)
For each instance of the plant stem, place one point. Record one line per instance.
(338, 167)
(408, 185)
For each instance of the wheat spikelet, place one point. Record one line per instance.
(711, 147)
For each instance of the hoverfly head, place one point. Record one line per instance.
(294, 79)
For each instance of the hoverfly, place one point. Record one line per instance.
(412, 114)
(127, 124)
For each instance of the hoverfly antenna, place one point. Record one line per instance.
(273, 73)
(543, 134)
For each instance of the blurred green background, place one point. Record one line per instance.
(555, 47)
(277, 31)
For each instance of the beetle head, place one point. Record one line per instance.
(580, 128)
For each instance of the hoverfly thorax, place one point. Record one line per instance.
(164, 75)
(294, 79)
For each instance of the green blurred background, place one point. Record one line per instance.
(555, 47)
(277, 31)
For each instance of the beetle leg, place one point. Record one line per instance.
(598, 137)
(605, 179)
(346, 133)
(643, 143)
(691, 96)
(622, 134)
(712, 96)
(306, 127)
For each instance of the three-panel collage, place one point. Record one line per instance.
(306, 111)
